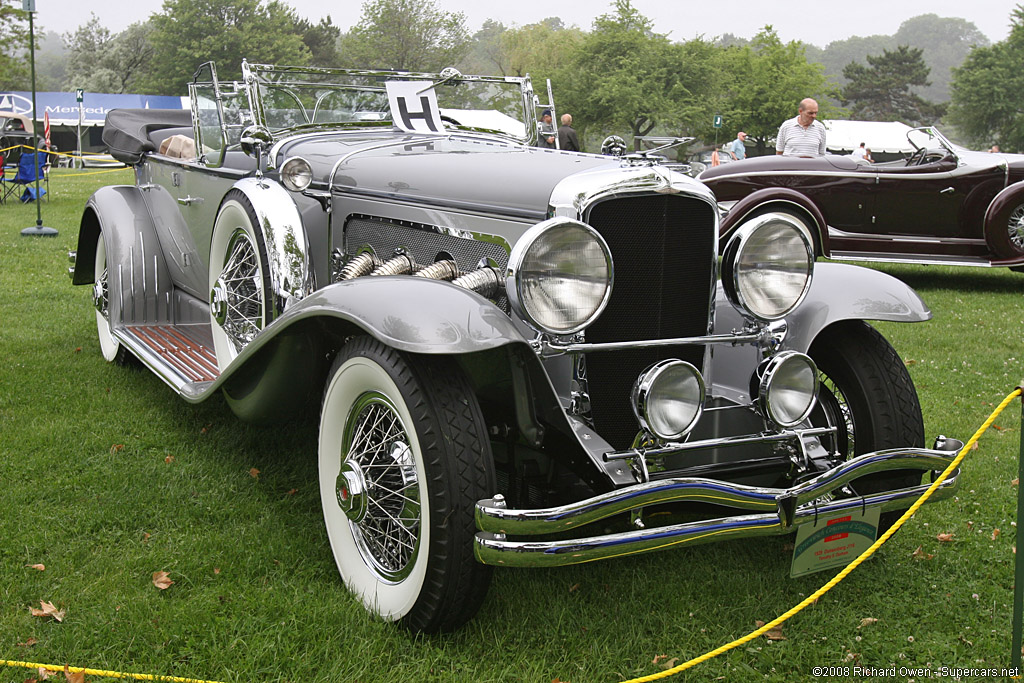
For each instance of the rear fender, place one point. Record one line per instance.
(137, 276)
(772, 198)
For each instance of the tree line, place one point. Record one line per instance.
(621, 76)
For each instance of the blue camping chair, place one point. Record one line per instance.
(30, 167)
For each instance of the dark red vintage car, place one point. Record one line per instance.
(944, 204)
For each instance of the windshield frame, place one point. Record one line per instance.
(257, 77)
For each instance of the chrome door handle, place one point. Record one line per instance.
(199, 200)
(946, 191)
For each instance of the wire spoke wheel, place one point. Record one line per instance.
(113, 351)
(387, 523)
(239, 279)
(240, 291)
(1015, 228)
(403, 457)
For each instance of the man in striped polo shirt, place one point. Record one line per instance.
(803, 136)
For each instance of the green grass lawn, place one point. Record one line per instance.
(108, 477)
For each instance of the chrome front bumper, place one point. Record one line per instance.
(775, 511)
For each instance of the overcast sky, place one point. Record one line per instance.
(817, 23)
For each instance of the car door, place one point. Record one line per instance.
(924, 200)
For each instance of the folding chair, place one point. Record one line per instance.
(30, 167)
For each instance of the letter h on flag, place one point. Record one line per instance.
(414, 106)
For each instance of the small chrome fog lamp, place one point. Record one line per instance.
(296, 174)
(787, 387)
(668, 398)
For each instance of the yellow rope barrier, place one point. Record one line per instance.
(813, 597)
(103, 674)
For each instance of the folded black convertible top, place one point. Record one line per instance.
(126, 131)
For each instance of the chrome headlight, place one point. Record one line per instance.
(668, 398)
(296, 174)
(788, 387)
(559, 276)
(767, 266)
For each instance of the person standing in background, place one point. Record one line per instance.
(803, 136)
(547, 131)
(738, 150)
(567, 135)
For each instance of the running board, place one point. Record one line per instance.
(181, 355)
(933, 260)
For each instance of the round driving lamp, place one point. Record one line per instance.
(296, 174)
(787, 386)
(668, 399)
(559, 276)
(767, 266)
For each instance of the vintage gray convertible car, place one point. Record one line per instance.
(517, 353)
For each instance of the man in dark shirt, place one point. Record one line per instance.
(547, 131)
(567, 135)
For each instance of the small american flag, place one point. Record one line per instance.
(46, 128)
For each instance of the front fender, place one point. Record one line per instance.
(838, 292)
(782, 198)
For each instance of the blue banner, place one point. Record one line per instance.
(63, 108)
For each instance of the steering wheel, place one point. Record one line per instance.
(917, 158)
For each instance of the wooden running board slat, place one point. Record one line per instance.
(188, 357)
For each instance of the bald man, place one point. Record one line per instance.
(567, 135)
(803, 136)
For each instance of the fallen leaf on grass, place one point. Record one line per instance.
(117, 448)
(974, 446)
(216, 570)
(78, 349)
(162, 580)
(28, 643)
(254, 473)
(169, 459)
(867, 621)
(995, 534)
(40, 567)
(771, 634)
(669, 664)
(573, 588)
(44, 674)
(77, 677)
(998, 428)
(146, 536)
(911, 361)
(48, 610)
(556, 679)
(658, 659)
(920, 554)
(1016, 480)
(945, 538)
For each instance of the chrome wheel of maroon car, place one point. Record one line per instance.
(403, 457)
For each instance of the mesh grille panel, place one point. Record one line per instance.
(663, 248)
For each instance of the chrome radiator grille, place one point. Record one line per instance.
(663, 248)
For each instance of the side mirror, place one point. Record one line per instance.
(255, 140)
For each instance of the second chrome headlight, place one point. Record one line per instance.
(767, 266)
(559, 276)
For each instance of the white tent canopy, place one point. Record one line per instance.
(879, 136)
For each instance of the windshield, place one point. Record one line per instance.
(286, 98)
(929, 138)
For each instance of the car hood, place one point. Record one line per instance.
(473, 171)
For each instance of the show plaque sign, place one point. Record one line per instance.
(833, 541)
